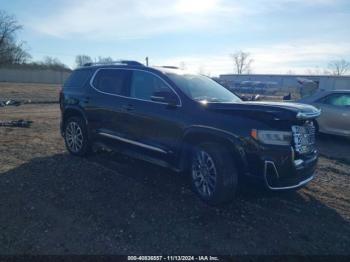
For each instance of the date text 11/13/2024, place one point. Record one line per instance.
(173, 258)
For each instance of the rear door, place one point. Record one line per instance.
(107, 105)
(335, 116)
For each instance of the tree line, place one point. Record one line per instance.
(11, 50)
(13, 53)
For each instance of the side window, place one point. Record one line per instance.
(337, 100)
(112, 81)
(78, 78)
(147, 86)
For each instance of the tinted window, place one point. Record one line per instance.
(337, 100)
(78, 78)
(112, 81)
(144, 85)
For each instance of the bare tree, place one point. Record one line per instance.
(339, 67)
(53, 63)
(81, 60)
(242, 62)
(183, 65)
(11, 52)
(8, 27)
(19, 55)
(203, 71)
(105, 59)
(317, 71)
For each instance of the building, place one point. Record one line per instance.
(284, 83)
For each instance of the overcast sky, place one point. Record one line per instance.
(281, 35)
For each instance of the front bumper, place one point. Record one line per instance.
(284, 175)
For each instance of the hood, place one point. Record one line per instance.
(276, 110)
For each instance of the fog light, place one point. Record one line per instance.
(298, 162)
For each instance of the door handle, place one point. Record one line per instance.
(128, 107)
(86, 99)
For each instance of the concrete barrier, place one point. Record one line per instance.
(33, 76)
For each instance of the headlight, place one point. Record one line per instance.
(270, 137)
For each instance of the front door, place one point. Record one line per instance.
(156, 118)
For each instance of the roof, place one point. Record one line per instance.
(118, 62)
(162, 69)
(135, 65)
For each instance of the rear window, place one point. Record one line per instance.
(112, 81)
(78, 78)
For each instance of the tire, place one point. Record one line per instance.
(213, 174)
(76, 136)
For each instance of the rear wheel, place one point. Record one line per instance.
(76, 137)
(213, 173)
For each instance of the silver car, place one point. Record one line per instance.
(335, 106)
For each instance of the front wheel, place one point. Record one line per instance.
(76, 136)
(213, 173)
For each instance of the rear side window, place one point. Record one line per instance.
(78, 79)
(337, 100)
(112, 81)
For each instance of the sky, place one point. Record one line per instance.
(282, 36)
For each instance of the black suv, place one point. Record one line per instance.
(191, 124)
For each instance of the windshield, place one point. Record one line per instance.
(203, 89)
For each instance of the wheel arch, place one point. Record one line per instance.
(197, 134)
(71, 112)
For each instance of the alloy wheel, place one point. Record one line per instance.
(204, 173)
(74, 137)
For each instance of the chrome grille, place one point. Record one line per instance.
(304, 138)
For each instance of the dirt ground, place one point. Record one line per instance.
(32, 92)
(53, 203)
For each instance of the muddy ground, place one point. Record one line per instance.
(53, 203)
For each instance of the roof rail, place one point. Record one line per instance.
(119, 62)
(171, 67)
